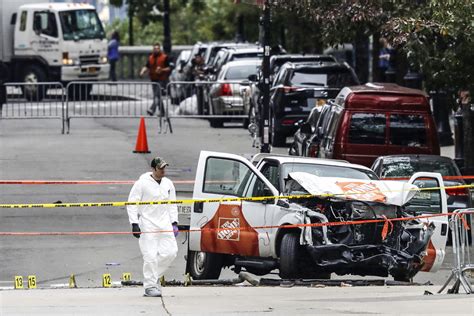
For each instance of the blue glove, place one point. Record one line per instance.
(175, 229)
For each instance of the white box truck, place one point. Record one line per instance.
(51, 42)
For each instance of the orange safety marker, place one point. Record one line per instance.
(142, 145)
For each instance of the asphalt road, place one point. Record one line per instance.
(96, 149)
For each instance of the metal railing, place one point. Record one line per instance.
(216, 101)
(460, 231)
(43, 100)
(120, 99)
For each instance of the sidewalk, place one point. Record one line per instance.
(236, 300)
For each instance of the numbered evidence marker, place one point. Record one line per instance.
(32, 281)
(106, 280)
(18, 282)
(126, 276)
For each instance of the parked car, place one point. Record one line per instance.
(230, 54)
(253, 97)
(395, 167)
(226, 94)
(249, 234)
(178, 74)
(214, 48)
(371, 120)
(298, 87)
(301, 145)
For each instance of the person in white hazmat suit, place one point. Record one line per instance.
(156, 226)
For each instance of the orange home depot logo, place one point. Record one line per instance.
(362, 191)
(229, 232)
(229, 229)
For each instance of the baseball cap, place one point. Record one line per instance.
(159, 162)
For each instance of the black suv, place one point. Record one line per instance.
(299, 87)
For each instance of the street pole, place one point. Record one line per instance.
(264, 130)
(166, 27)
(130, 37)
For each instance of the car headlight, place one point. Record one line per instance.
(103, 60)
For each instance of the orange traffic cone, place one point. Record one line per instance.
(142, 144)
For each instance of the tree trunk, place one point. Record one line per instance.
(468, 126)
(362, 56)
(166, 27)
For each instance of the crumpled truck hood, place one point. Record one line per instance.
(387, 192)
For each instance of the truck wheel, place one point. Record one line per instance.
(204, 265)
(289, 253)
(34, 74)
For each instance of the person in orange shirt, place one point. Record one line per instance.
(158, 68)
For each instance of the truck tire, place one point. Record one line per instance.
(290, 250)
(204, 265)
(34, 74)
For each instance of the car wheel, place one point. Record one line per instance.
(34, 74)
(289, 253)
(278, 140)
(216, 123)
(204, 265)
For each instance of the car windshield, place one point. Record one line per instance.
(241, 72)
(81, 24)
(405, 167)
(321, 170)
(305, 77)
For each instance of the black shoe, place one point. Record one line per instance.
(150, 112)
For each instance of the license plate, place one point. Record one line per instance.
(184, 209)
(92, 70)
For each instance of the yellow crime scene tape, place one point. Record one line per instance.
(191, 201)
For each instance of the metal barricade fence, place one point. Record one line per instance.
(118, 99)
(463, 263)
(42, 100)
(217, 101)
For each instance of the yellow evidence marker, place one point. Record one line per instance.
(18, 282)
(106, 280)
(32, 281)
(126, 276)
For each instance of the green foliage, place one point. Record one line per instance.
(436, 35)
(191, 21)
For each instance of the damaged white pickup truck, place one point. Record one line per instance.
(248, 234)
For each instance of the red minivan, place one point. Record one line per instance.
(374, 119)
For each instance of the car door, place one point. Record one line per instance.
(431, 200)
(229, 227)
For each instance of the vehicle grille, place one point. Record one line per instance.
(89, 59)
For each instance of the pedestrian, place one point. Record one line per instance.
(385, 59)
(113, 54)
(156, 226)
(158, 68)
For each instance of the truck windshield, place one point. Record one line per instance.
(81, 24)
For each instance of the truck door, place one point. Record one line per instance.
(229, 227)
(431, 200)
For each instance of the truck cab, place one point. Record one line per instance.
(45, 42)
